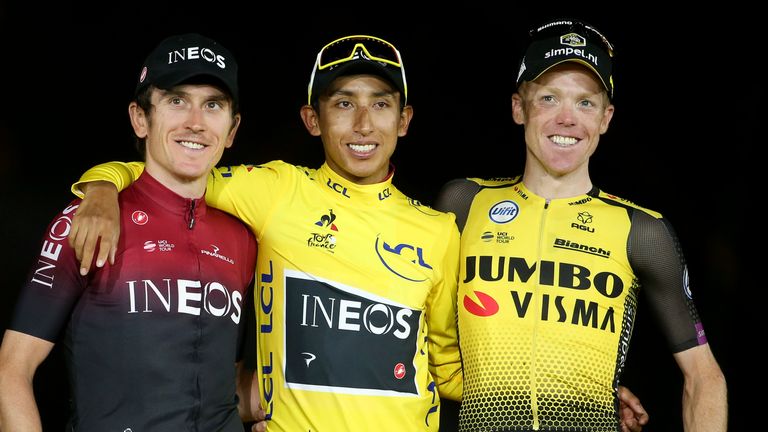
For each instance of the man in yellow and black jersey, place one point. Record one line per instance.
(551, 266)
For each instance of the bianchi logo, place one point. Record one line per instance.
(215, 253)
(581, 247)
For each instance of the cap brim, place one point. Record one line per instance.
(197, 76)
(361, 67)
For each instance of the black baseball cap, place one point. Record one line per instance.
(180, 58)
(357, 54)
(567, 40)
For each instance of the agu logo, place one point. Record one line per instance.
(504, 211)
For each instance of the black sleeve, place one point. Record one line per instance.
(657, 259)
(456, 197)
(247, 332)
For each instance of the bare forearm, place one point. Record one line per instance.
(705, 404)
(18, 409)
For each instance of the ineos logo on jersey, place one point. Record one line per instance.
(60, 227)
(345, 315)
(504, 211)
(49, 253)
(361, 336)
(185, 297)
(139, 217)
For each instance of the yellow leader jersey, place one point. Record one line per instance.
(355, 296)
(547, 301)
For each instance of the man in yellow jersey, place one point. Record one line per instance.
(356, 294)
(551, 266)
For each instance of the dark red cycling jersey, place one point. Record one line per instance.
(151, 341)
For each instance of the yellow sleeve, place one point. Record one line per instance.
(445, 358)
(120, 174)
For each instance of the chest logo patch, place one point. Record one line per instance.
(504, 211)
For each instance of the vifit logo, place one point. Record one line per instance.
(504, 211)
(355, 339)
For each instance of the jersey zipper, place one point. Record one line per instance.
(191, 214)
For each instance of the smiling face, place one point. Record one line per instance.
(564, 112)
(359, 122)
(186, 133)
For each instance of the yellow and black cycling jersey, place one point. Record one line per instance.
(548, 293)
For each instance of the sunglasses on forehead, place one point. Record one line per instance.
(557, 28)
(354, 48)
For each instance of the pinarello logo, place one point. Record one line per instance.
(687, 283)
(487, 306)
(139, 217)
(399, 371)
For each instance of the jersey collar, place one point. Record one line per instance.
(371, 193)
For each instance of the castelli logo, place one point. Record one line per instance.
(139, 217)
(399, 371)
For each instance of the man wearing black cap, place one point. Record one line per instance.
(552, 266)
(151, 341)
(357, 282)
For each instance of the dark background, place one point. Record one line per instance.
(684, 140)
